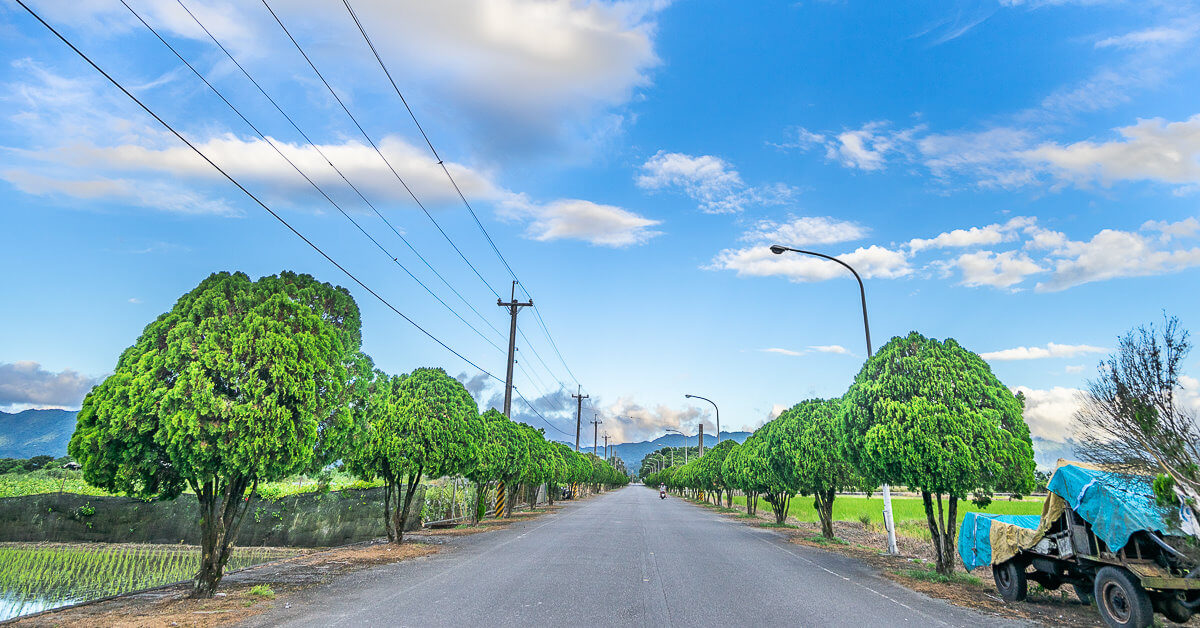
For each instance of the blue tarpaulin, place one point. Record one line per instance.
(975, 537)
(1117, 505)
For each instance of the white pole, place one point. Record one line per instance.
(887, 519)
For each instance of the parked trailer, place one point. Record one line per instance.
(1101, 533)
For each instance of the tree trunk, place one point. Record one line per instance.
(937, 533)
(222, 511)
(410, 490)
(550, 488)
(823, 502)
(388, 524)
(480, 503)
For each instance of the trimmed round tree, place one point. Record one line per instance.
(240, 382)
(710, 474)
(423, 424)
(821, 469)
(503, 454)
(931, 415)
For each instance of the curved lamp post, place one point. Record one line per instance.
(685, 442)
(862, 293)
(718, 410)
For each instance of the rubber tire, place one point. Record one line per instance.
(1175, 611)
(1011, 581)
(1123, 589)
(1084, 594)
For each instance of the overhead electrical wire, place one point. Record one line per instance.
(376, 148)
(247, 192)
(441, 162)
(303, 174)
(317, 148)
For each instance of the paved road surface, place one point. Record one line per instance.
(625, 558)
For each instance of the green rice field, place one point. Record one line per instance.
(36, 577)
(63, 481)
(907, 512)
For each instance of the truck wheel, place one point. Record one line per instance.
(1010, 580)
(1084, 594)
(1122, 602)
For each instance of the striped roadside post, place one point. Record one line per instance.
(500, 500)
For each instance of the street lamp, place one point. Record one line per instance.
(862, 293)
(685, 443)
(714, 406)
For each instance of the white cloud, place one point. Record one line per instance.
(601, 225)
(709, 180)
(1050, 413)
(134, 300)
(1147, 37)
(758, 261)
(805, 230)
(1181, 229)
(28, 383)
(865, 148)
(1112, 254)
(1151, 150)
(838, 349)
(990, 234)
(517, 74)
(999, 270)
(1051, 350)
(1073, 368)
(627, 421)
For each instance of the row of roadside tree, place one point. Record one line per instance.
(244, 381)
(926, 414)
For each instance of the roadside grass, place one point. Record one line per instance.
(929, 575)
(821, 540)
(263, 590)
(772, 524)
(908, 512)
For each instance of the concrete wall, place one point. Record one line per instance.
(309, 520)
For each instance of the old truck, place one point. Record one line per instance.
(1102, 533)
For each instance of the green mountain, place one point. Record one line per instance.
(36, 432)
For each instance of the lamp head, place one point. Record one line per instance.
(688, 396)
(777, 249)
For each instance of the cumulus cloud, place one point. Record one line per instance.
(28, 384)
(805, 230)
(871, 262)
(989, 234)
(1050, 413)
(1051, 350)
(710, 181)
(1112, 254)
(998, 270)
(575, 219)
(865, 148)
(1151, 150)
(628, 421)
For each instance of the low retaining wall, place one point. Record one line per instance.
(308, 520)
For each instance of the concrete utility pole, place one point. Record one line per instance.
(595, 432)
(606, 445)
(701, 439)
(513, 306)
(579, 397)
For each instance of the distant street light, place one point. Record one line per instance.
(714, 408)
(685, 442)
(862, 293)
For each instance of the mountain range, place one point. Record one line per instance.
(36, 432)
(632, 453)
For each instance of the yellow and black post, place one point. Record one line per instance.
(500, 500)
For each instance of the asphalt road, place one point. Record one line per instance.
(625, 558)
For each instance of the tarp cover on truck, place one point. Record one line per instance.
(1116, 505)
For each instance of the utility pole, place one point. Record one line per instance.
(606, 445)
(579, 397)
(701, 439)
(595, 432)
(513, 306)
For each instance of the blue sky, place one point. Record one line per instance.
(1022, 176)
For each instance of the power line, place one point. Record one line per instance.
(302, 174)
(454, 183)
(376, 147)
(245, 191)
(320, 152)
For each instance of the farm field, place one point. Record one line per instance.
(36, 577)
(907, 512)
(64, 481)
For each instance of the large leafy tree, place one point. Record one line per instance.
(423, 423)
(710, 471)
(240, 382)
(821, 469)
(931, 415)
(503, 455)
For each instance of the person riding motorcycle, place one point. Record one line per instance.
(662, 491)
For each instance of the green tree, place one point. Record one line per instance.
(240, 382)
(421, 424)
(710, 470)
(931, 415)
(503, 454)
(821, 469)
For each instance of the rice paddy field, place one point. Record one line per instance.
(907, 512)
(64, 481)
(35, 577)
